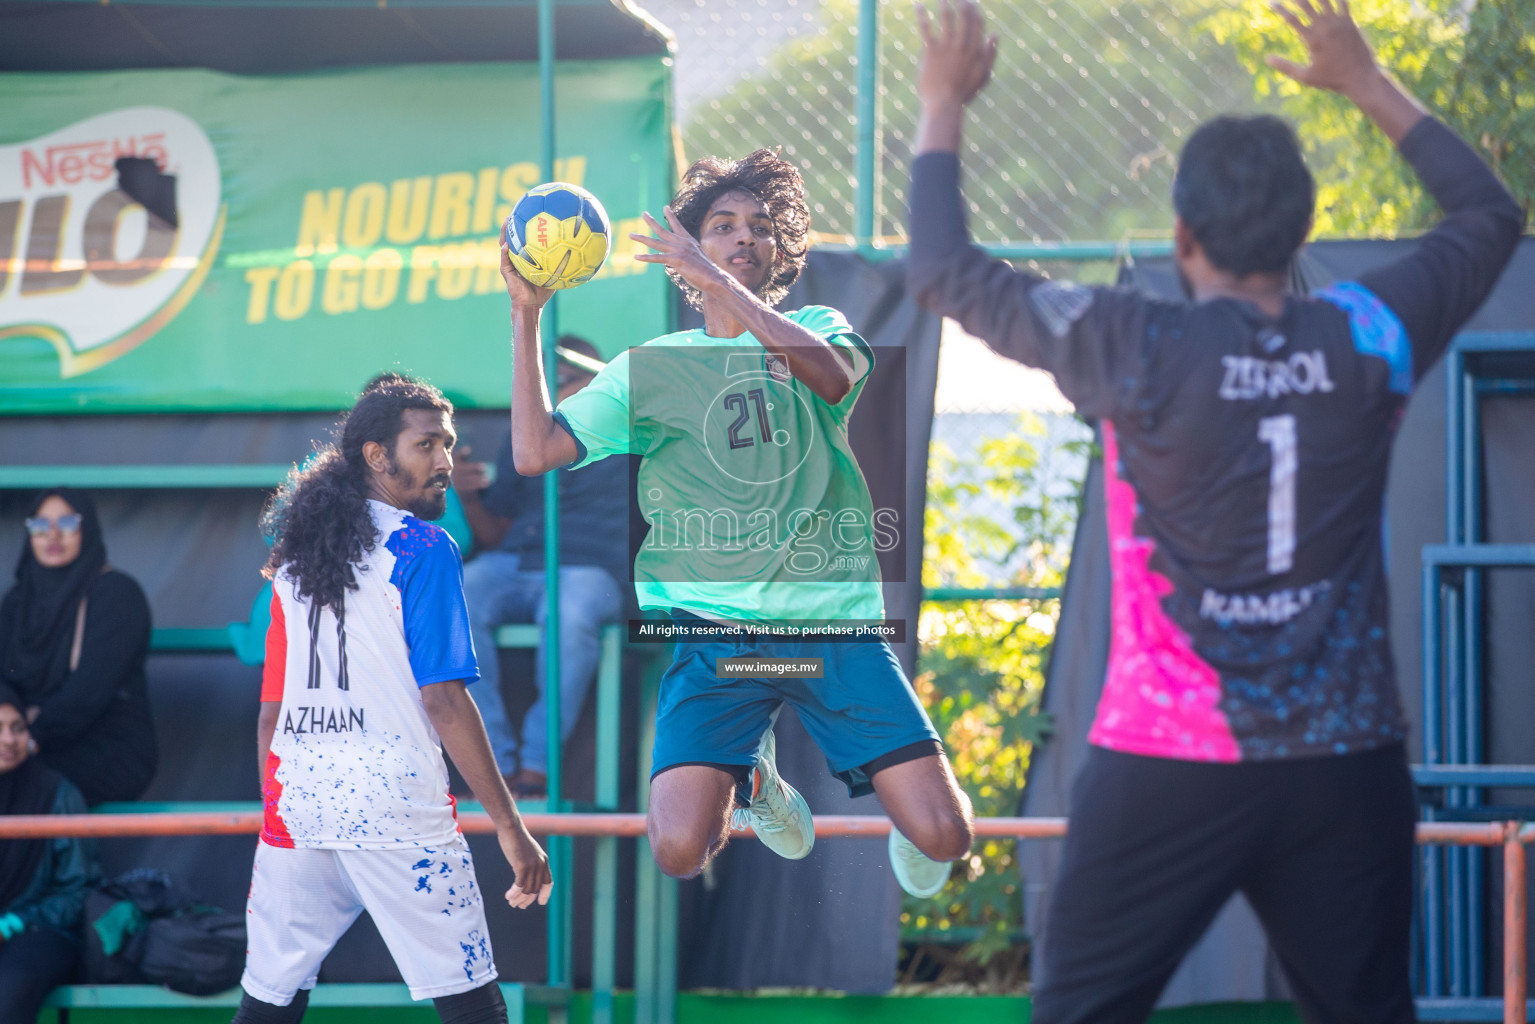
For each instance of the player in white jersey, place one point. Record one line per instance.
(368, 659)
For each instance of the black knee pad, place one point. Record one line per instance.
(482, 1005)
(254, 1011)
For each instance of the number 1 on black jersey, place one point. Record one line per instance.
(1279, 432)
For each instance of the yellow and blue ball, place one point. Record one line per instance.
(558, 235)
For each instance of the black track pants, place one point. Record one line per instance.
(1322, 848)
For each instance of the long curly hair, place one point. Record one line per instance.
(319, 518)
(773, 182)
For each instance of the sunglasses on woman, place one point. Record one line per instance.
(38, 526)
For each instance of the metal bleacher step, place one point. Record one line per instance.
(1479, 556)
(168, 476)
(1503, 775)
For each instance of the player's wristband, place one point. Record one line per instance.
(11, 925)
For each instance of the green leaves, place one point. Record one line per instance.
(981, 670)
(1473, 65)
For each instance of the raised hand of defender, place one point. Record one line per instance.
(677, 249)
(957, 55)
(530, 866)
(1340, 59)
(522, 291)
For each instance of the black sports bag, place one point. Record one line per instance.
(141, 927)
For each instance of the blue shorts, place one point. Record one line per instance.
(863, 713)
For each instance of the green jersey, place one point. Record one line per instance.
(757, 508)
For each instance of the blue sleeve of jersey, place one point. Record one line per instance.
(430, 575)
(1377, 330)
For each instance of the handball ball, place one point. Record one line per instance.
(558, 235)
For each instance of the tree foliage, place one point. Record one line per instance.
(1473, 64)
(982, 667)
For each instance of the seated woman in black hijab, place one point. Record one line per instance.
(42, 881)
(74, 633)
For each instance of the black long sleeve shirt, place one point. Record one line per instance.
(1246, 459)
(94, 728)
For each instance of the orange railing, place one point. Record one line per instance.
(1510, 835)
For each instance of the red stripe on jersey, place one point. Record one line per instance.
(274, 831)
(276, 653)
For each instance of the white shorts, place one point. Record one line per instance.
(425, 902)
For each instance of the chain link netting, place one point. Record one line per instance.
(1076, 137)
(1071, 140)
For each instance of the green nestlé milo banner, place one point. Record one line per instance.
(309, 230)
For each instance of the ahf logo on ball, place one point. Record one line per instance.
(107, 229)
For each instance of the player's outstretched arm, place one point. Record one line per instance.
(457, 721)
(812, 359)
(1073, 332)
(957, 58)
(539, 444)
(1441, 282)
(1340, 61)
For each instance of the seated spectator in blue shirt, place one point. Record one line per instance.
(505, 582)
(42, 881)
(74, 635)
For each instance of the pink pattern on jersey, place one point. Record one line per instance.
(1160, 698)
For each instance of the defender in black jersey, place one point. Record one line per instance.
(1249, 736)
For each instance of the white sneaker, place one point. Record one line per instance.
(778, 814)
(918, 874)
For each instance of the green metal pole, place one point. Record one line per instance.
(666, 953)
(605, 867)
(991, 594)
(559, 853)
(550, 326)
(647, 877)
(868, 120)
